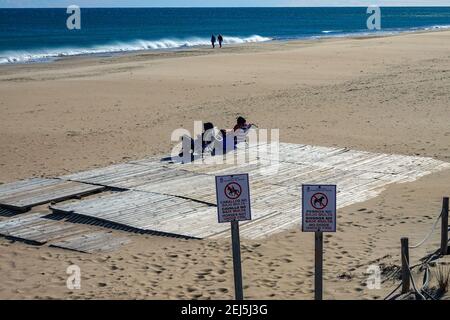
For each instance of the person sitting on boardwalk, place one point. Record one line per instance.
(206, 142)
(241, 130)
(213, 141)
(241, 123)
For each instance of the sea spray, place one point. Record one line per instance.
(38, 55)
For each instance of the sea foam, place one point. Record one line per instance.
(40, 55)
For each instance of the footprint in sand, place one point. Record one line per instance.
(157, 266)
(269, 283)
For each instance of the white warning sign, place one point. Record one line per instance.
(319, 208)
(233, 198)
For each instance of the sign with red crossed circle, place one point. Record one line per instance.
(319, 208)
(233, 198)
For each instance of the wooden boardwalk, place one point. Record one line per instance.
(92, 242)
(149, 211)
(35, 228)
(23, 195)
(178, 199)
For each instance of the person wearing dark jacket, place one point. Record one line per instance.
(213, 41)
(205, 141)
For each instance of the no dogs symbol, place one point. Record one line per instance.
(233, 190)
(319, 201)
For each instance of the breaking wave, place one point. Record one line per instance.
(38, 55)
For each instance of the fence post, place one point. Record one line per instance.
(318, 266)
(405, 262)
(444, 228)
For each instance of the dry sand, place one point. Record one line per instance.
(386, 94)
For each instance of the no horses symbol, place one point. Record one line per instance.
(233, 190)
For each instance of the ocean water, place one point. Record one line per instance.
(34, 35)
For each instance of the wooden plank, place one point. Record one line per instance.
(24, 186)
(149, 211)
(35, 228)
(25, 194)
(129, 175)
(92, 242)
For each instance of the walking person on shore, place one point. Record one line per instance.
(220, 38)
(213, 41)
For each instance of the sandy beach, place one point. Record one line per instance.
(385, 94)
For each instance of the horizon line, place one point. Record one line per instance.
(236, 7)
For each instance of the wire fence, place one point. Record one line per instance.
(422, 293)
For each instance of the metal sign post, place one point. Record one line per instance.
(233, 205)
(236, 245)
(318, 266)
(318, 216)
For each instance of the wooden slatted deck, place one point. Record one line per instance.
(35, 228)
(92, 242)
(173, 198)
(23, 195)
(149, 211)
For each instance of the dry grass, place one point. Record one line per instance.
(442, 274)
